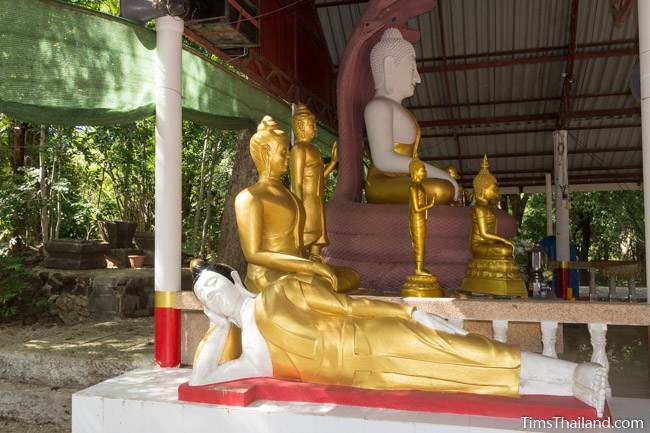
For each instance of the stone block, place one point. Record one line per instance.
(75, 254)
(119, 257)
(194, 325)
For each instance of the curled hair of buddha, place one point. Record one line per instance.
(392, 44)
(268, 131)
(484, 178)
(415, 165)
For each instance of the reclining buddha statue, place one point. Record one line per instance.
(295, 330)
(393, 131)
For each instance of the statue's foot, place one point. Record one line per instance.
(423, 272)
(590, 385)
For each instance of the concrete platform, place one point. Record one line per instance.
(145, 400)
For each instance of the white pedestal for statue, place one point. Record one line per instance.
(145, 401)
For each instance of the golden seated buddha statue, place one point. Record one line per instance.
(271, 221)
(492, 269)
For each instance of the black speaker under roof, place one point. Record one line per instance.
(142, 11)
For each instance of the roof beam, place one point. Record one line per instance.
(610, 43)
(519, 101)
(533, 130)
(578, 178)
(550, 169)
(567, 84)
(528, 60)
(441, 26)
(329, 4)
(588, 114)
(609, 149)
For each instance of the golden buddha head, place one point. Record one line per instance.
(269, 148)
(304, 124)
(392, 61)
(485, 185)
(417, 170)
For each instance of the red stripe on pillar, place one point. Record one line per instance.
(167, 340)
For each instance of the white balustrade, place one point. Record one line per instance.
(549, 338)
(500, 330)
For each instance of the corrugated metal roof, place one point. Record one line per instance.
(474, 30)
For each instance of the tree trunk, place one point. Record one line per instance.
(243, 175)
(127, 215)
(55, 161)
(59, 215)
(503, 203)
(45, 213)
(199, 199)
(19, 135)
(518, 205)
(208, 198)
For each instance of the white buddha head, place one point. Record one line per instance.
(394, 70)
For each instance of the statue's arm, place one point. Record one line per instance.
(209, 352)
(413, 194)
(297, 169)
(249, 215)
(329, 168)
(481, 215)
(328, 302)
(240, 368)
(379, 126)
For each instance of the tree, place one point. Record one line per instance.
(243, 175)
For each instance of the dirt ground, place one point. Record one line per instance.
(11, 426)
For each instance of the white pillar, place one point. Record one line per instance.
(549, 205)
(644, 61)
(169, 130)
(562, 196)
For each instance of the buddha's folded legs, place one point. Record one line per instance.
(492, 250)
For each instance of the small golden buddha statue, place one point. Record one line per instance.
(308, 176)
(423, 283)
(492, 269)
(270, 221)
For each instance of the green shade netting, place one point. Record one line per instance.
(64, 65)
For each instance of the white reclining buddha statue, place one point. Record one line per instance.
(299, 331)
(393, 131)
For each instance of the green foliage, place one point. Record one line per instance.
(611, 220)
(111, 7)
(20, 295)
(97, 173)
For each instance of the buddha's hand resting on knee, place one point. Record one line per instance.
(436, 322)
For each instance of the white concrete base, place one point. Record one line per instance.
(145, 401)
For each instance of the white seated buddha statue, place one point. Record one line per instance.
(393, 131)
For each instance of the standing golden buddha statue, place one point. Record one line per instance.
(423, 283)
(270, 221)
(492, 269)
(308, 175)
